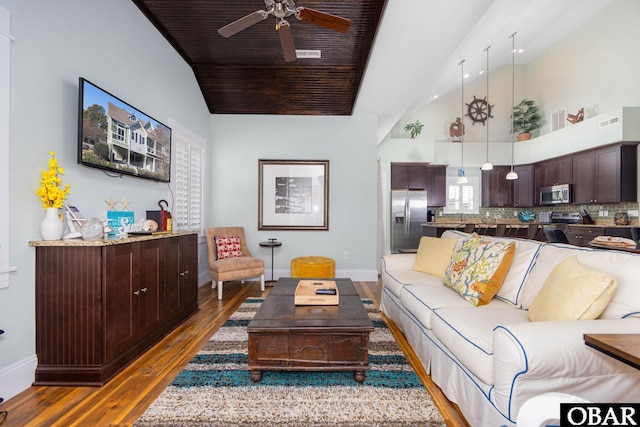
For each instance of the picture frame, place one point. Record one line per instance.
(293, 195)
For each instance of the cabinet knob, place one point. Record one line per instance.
(144, 290)
(184, 273)
(136, 292)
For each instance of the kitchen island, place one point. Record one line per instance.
(578, 234)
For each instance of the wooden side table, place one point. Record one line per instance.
(272, 243)
(624, 347)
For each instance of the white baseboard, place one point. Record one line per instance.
(18, 377)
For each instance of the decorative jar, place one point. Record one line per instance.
(526, 216)
(92, 229)
(52, 226)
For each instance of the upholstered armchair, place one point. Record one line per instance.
(230, 259)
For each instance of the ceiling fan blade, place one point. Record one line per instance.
(332, 22)
(242, 23)
(286, 40)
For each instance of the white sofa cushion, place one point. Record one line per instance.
(526, 252)
(397, 272)
(468, 333)
(622, 266)
(421, 300)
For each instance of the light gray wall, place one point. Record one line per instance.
(112, 44)
(349, 143)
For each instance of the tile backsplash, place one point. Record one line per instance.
(601, 213)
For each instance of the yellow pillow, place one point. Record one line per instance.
(434, 255)
(478, 268)
(572, 292)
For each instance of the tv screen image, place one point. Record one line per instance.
(114, 136)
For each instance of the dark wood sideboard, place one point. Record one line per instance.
(99, 305)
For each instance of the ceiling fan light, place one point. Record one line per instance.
(512, 175)
(486, 166)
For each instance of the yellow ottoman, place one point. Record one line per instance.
(313, 267)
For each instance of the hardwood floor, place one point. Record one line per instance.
(125, 398)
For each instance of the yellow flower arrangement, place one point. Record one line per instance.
(51, 191)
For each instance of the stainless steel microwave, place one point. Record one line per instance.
(555, 194)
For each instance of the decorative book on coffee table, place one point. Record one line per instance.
(316, 292)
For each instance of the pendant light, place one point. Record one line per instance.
(462, 179)
(512, 174)
(487, 166)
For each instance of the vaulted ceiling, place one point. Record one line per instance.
(247, 74)
(396, 55)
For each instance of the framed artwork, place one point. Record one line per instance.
(293, 195)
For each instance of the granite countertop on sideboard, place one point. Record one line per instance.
(107, 242)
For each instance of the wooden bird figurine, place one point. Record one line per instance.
(573, 119)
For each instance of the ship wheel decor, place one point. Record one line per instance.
(479, 110)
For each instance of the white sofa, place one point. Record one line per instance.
(490, 359)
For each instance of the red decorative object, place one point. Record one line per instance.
(227, 247)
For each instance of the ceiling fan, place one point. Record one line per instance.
(282, 9)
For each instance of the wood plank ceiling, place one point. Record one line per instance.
(246, 73)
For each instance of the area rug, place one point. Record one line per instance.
(215, 388)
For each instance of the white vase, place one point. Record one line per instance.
(52, 227)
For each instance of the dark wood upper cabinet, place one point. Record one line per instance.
(497, 191)
(421, 176)
(606, 175)
(552, 172)
(523, 186)
(436, 186)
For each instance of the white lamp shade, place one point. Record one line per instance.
(486, 166)
(512, 175)
(462, 180)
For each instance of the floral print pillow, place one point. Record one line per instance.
(227, 247)
(478, 268)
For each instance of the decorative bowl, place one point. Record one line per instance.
(526, 216)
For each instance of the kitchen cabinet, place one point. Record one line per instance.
(408, 176)
(605, 175)
(581, 236)
(523, 194)
(421, 176)
(436, 185)
(99, 305)
(552, 172)
(497, 191)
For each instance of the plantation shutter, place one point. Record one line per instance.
(188, 186)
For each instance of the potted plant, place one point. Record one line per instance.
(414, 128)
(526, 118)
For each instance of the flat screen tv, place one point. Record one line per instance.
(116, 137)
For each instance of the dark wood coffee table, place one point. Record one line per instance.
(283, 336)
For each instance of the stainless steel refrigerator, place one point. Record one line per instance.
(408, 213)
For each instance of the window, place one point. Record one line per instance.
(188, 180)
(463, 198)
